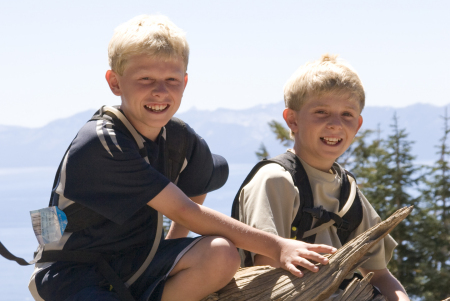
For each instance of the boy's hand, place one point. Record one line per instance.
(296, 253)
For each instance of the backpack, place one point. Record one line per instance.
(80, 217)
(301, 225)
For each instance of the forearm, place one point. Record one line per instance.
(178, 231)
(263, 260)
(388, 285)
(206, 221)
(173, 203)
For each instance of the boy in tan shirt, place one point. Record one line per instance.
(303, 193)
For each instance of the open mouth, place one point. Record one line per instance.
(156, 108)
(331, 141)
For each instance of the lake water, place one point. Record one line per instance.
(26, 189)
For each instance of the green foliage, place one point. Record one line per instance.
(436, 196)
(390, 180)
(282, 134)
(262, 152)
(388, 176)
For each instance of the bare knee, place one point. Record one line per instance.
(224, 255)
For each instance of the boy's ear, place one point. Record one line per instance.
(291, 120)
(113, 81)
(360, 122)
(185, 80)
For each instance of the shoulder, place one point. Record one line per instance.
(183, 138)
(271, 174)
(202, 171)
(103, 138)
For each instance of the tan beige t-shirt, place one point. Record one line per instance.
(270, 202)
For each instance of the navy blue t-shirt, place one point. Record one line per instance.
(104, 171)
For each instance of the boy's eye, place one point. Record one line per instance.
(347, 114)
(320, 112)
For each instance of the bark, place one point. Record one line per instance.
(267, 283)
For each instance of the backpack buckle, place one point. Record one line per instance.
(343, 225)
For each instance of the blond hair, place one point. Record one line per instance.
(151, 35)
(326, 75)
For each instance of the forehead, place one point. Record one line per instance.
(335, 100)
(151, 63)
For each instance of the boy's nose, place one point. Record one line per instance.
(160, 89)
(334, 123)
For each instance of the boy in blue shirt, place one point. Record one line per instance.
(116, 180)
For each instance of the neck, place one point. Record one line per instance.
(314, 162)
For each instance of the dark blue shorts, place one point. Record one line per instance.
(150, 285)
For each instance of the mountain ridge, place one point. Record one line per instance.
(235, 134)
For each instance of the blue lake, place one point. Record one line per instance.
(26, 189)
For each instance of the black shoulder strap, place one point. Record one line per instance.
(176, 146)
(248, 261)
(303, 220)
(354, 215)
(235, 206)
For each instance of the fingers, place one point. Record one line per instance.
(316, 257)
(303, 255)
(322, 248)
(294, 270)
(306, 264)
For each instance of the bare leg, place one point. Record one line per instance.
(206, 268)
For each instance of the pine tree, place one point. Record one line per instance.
(282, 134)
(388, 176)
(262, 152)
(437, 201)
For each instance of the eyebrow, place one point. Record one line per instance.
(326, 106)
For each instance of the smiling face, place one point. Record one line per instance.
(324, 128)
(151, 90)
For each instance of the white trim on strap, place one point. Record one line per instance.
(151, 254)
(140, 142)
(341, 213)
(138, 138)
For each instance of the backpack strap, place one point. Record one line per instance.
(303, 220)
(176, 145)
(248, 261)
(354, 215)
(350, 209)
(333, 218)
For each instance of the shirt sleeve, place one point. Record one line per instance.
(270, 201)
(105, 172)
(204, 171)
(381, 253)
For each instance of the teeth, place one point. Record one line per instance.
(331, 141)
(156, 108)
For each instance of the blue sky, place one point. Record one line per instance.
(54, 53)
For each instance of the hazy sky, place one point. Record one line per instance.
(54, 53)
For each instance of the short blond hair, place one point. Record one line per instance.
(152, 35)
(321, 77)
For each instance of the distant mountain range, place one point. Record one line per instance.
(235, 134)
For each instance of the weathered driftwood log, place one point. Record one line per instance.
(267, 283)
(360, 290)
